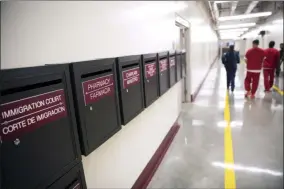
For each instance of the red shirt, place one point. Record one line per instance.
(271, 58)
(255, 58)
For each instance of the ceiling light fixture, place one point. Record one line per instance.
(230, 31)
(233, 30)
(244, 16)
(222, 1)
(228, 37)
(236, 26)
(230, 34)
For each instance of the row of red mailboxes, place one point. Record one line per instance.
(52, 114)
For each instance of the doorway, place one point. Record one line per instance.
(182, 44)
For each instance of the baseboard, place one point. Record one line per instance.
(150, 169)
(194, 95)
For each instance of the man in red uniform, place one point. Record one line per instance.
(272, 56)
(254, 58)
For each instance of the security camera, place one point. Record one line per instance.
(262, 33)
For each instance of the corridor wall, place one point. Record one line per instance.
(275, 34)
(240, 46)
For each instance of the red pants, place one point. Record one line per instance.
(251, 82)
(268, 78)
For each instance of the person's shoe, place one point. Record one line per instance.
(267, 91)
(247, 94)
(252, 96)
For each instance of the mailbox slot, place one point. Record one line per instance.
(96, 101)
(38, 127)
(178, 66)
(150, 81)
(74, 179)
(130, 87)
(172, 65)
(164, 78)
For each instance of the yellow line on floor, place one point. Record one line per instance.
(229, 177)
(278, 90)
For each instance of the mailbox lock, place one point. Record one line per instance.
(91, 108)
(127, 90)
(17, 142)
(147, 80)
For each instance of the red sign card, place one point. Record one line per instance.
(98, 88)
(163, 65)
(172, 62)
(24, 115)
(150, 70)
(131, 77)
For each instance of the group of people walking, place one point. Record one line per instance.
(269, 60)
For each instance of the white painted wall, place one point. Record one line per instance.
(119, 161)
(38, 33)
(204, 43)
(276, 34)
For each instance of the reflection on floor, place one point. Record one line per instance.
(196, 156)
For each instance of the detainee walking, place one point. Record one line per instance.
(254, 59)
(230, 60)
(272, 57)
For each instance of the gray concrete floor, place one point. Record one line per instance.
(279, 82)
(196, 157)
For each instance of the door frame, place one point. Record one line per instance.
(184, 26)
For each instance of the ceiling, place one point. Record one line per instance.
(233, 8)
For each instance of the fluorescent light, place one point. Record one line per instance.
(231, 32)
(244, 16)
(234, 30)
(222, 1)
(236, 25)
(230, 35)
(233, 38)
(280, 21)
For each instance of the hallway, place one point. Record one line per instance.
(202, 156)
